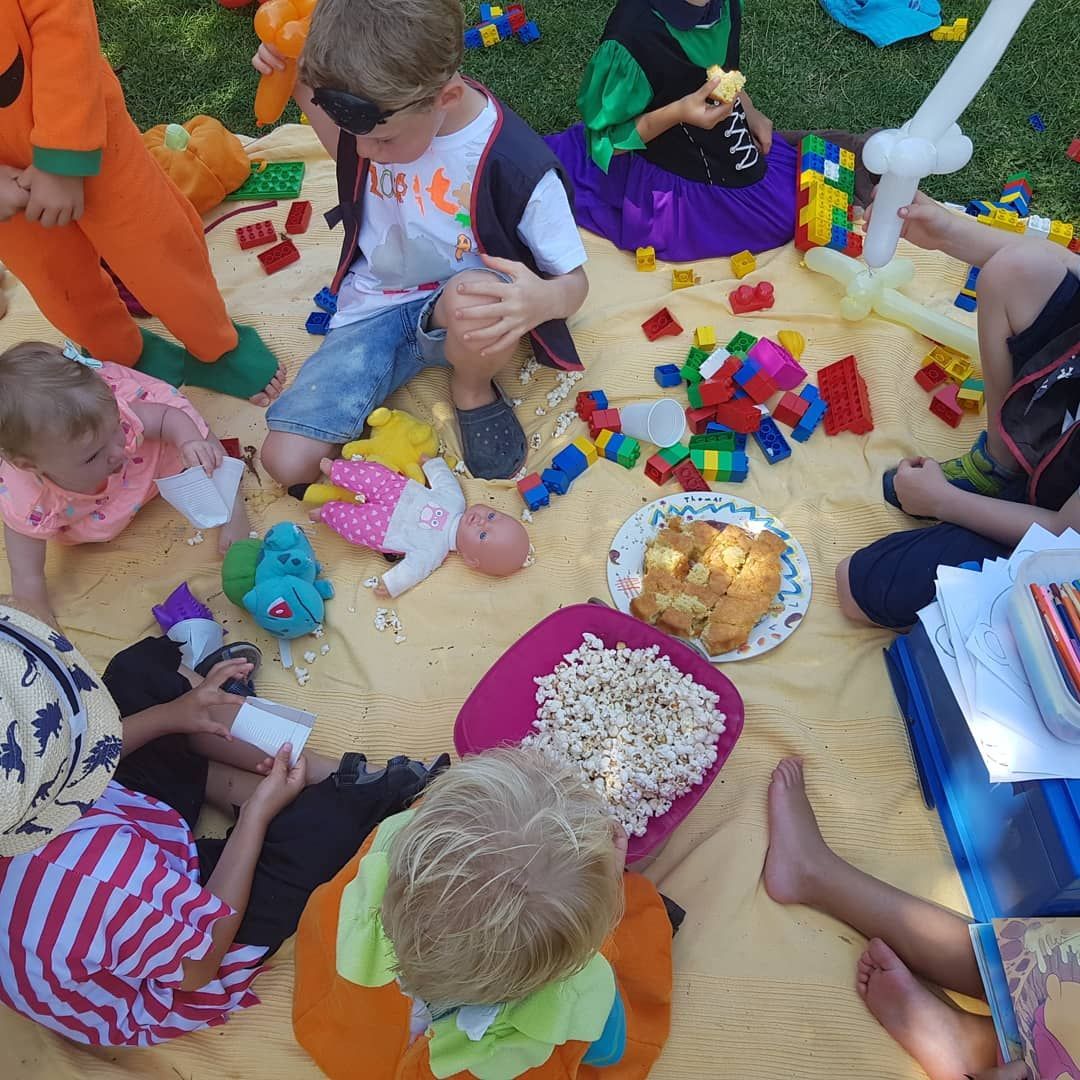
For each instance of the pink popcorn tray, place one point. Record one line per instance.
(502, 707)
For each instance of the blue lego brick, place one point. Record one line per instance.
(600, 398)
(832, 152)
(570, 461)
(772, 442)
(529, 33)
(473, 40)
(318, 322)
(813, 161)
(839, 239)
(326, 300)
(1037, 122)
(746, 372)
(972, 278)
(977, 207)
(965, 303)
(667, 375)
(536, 497)
(810, 393)
(556, 481)
(811, 418)
(611, 450)
(502, 24)
(485, 12)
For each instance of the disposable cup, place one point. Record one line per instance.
(662, 423)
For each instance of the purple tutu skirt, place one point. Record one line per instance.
(637, 204)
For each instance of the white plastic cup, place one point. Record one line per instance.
(662, 423)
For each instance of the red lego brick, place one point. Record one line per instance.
(299, 217)
(1074, 150)
(931, 376)
(752, 297)
(760, 388)
(854, 245)
(698, 419)
(843, 390)
(944, 404)
(716, 390)
(689, 478)
(604, 420)
(232, 448)
(585, 405)
(528, 483)
(1074, 244)
(517, 16)
(740, 415)
(253, 236)
(790, 409)
(662, 324)
(659, 470)
(278, 257)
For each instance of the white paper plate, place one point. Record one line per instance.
(627, 557)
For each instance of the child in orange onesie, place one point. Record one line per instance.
(77, 186)
(489, 931)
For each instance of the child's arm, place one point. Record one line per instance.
(175, 427)
(68, 97)
(26, 560)
(924, 490)
(268, 59)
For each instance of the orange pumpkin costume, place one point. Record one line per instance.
(352, 1030)
(62, 110)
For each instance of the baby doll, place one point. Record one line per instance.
(81, 445)
(394, 514)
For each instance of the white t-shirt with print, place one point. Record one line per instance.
(417, 229)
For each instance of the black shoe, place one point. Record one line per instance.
(410, 776)
(238, 650)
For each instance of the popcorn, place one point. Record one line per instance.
(302, 675)
(198, 538)
(564, 384)
(535, 440)
(526, 515)
(387, 619)
(562, 423)
(541, 411)
(309, 657)
(528, 369)
(318, 631)
(371, 582)
(324, 649)
(641, 732)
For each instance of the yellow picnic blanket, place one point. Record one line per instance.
(761, 991)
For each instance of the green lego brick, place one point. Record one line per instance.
(697, 456)
(279, 180)
(839, 217)
(690, 373)
(727, 460)
(629, 451)
(693, 392)
(675, 455)
(696, 357)
(1024, 175)
(968, 384)
(713, 440)
(846, 181)
(741, 343)
(813, 144)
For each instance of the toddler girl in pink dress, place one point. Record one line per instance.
(81, 446)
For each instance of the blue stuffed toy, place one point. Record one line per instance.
(277, 580)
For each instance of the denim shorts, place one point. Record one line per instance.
(357, 367)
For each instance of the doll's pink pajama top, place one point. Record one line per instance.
(399, 515)
(35, 506)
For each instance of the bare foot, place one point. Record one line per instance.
(236, 528)
(945, 1041)
(272, 389)
(797, 853)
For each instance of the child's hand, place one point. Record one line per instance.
(922, 487)
(208, 453)
(13, 197)
(278, 788)
(761, 127)
(926, 223)
(517, 306)
(268, 60)
(54, 200)
(193, 715)
(701, 111)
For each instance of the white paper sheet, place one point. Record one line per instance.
(206, 501)
(268, 725)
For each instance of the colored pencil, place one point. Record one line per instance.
(1072, 616)
(1058, 637)
(1072, 600)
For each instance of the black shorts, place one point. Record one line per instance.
(305, 845)
(894, 577)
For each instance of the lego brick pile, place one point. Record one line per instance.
(760, 990)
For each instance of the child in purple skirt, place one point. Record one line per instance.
(655, 161)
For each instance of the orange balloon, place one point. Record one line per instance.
(291, 37)
(274, 92)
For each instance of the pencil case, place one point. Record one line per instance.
(1060, 711)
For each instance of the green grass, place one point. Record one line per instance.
(179, 58)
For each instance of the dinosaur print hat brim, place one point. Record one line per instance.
(59, 733)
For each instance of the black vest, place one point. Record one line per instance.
(726, 156)
(512, 164)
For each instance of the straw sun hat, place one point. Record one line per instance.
(59, 733)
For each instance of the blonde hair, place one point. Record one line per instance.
(506, 879)
(46, 396)
(395, 53)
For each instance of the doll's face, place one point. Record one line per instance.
(492, 542)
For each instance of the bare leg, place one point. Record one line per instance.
(228, 787)
(1014, 286)
(801, 869)
(843, 592)
(236, 528)
(294, 459)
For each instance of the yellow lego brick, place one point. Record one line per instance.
(496, 12)
(809, 177)
(847, 159)
(1003, 219)
(603, 439)
(969, 293)
(955, 364)
(1061, 232)
(742, 264)
(684, 279)
(970, 400)
(646, 258)
(587, 447)
(705, 337)
(489, 35)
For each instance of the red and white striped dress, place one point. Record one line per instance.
(95, 926)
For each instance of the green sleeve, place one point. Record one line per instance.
(68, 162)
(614, 93)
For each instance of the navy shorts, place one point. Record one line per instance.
(894, 577)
